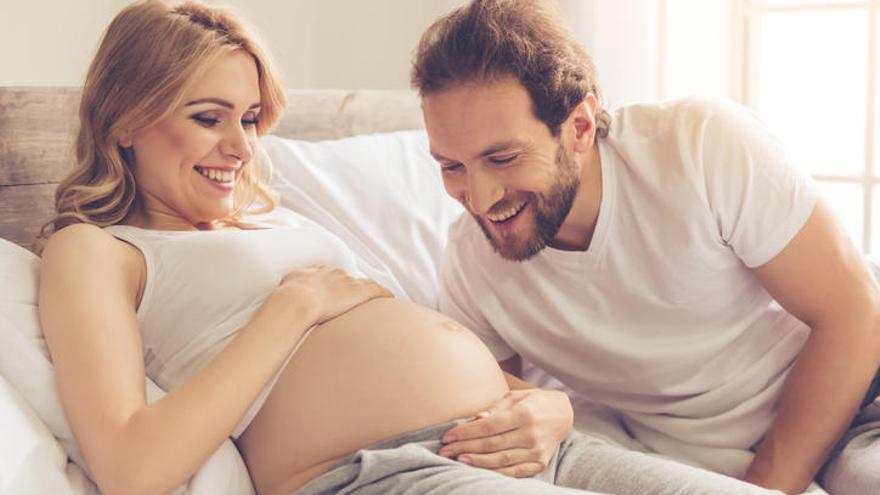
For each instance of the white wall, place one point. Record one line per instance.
(656, 49)
(51, 42)
(315, 43)
(644, 49)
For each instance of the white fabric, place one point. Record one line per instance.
(660, 318)
(381, 194)
(24, 363)
(225, 275)
(31, 461)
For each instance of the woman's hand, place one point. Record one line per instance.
(324, 292)
(516, 436)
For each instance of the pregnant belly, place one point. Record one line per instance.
(384, 368)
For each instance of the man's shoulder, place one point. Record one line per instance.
(672, 116)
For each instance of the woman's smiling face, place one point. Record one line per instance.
(187, 166)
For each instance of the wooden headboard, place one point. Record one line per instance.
(37, 126)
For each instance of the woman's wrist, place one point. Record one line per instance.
(288, 316)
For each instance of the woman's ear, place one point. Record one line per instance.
(125, 139)
(583, 121)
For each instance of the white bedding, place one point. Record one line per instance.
(381, 194)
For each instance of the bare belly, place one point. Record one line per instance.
(379, 370)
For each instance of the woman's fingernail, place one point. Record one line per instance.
(465, 460)
(445, 452)
(448, 439)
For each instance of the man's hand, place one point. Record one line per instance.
(516, 436)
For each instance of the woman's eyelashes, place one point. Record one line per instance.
(209, 121)
(206, 121)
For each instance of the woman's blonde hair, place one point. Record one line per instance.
(150, 55)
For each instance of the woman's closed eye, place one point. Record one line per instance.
(248, 120)
(206, 121)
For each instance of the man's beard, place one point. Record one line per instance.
(551, 209)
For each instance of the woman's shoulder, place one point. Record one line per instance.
(79, 235)
(87, 244)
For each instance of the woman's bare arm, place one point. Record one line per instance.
(88, 290)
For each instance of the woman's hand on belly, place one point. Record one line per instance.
(516, 436)
(323, 293)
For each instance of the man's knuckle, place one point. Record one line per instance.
(525, 415)
(531, 440)
(493, 443)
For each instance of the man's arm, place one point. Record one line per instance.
(517, 435)
(820, 278)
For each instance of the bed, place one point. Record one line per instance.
(356, 162)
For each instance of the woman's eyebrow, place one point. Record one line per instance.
(219, 101)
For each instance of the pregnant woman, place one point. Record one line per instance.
(259, 332)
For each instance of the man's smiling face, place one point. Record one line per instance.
(502, 163)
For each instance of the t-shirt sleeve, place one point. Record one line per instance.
(457, 300)
(760, 199)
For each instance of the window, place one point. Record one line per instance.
(809, 68)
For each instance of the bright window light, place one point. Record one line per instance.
(812, 78)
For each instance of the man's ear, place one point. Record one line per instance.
(583, 121)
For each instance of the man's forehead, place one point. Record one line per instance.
(472, 121)
(466, 99)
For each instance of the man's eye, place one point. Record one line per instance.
(205, 121)
(450, 167)
(503, 159)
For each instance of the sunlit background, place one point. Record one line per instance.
(811, 72)
(808, 67)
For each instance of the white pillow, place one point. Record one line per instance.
(31, 461)
(381, 194)
(24, 362)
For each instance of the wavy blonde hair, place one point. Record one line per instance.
(148, 58)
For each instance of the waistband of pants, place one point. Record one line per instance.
(426, 434)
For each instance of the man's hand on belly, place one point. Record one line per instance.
(516, 436)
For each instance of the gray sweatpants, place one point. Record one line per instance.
(409, 464)
(853, 468)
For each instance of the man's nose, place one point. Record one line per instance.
(484, 191)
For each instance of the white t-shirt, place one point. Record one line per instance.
(661, 318)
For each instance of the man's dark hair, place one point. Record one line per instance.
(487, 40)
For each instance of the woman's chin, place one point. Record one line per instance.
(212, 216)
